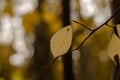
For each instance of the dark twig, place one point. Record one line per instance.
(117, 10)
(93, 31)
(51, 64)
(110, 25)
(83, 25)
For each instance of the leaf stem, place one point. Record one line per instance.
(110, 25)
(83, 25)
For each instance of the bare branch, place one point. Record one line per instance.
(117, 10)
(93, 31)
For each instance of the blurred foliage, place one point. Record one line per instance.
(8, 8)
(31, 20)
(43, 22)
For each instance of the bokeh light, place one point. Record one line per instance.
(17, 59)
(12, 31)
(21, 7)
(6, 35)
(88, 8)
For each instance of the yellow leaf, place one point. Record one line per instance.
(61, 41)
(114, 47)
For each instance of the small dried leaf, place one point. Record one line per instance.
(115, 29)
(114, 47)
(118, 29)
(61, 41)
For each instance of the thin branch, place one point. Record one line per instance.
(51, 64)
(110, 25)
(93, 31)
(83, 25)
(117, 10)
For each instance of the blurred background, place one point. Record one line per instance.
(26, 27)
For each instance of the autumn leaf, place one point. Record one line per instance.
(118, 29)
(114, 45)
(61, 41)
(115, 28)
